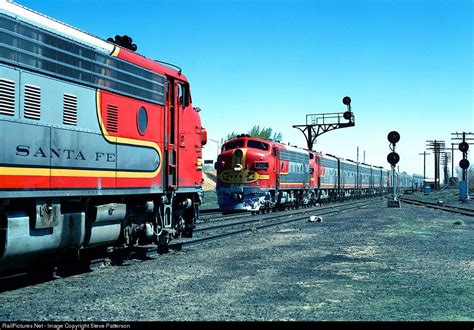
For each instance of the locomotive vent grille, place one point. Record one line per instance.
(70, 109)
(112, 118)
(32, 102)
(7, 97)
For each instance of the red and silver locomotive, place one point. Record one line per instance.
(258, 175)
(100, 146)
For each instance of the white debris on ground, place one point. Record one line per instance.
(315, 218)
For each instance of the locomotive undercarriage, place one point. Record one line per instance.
(46, 230)
(258, 200)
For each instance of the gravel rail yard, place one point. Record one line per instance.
(374, 263)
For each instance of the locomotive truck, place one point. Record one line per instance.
(100, 146)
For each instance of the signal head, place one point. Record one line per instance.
(393, 137)
(464, 164)
(346, 100)
(347, 115)
(393, 158)
(463, 146)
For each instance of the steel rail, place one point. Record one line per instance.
(443, 207)
(269, 223)
(270, 215)
(150, 251)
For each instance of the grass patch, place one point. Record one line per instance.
(409, 227)
(209, 200)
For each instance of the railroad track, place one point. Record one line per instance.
(210, 211)
(437, 206)
(228, 226)
(266, 221)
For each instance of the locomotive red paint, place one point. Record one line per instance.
(110, 146)
(291, 177)
(256, 174)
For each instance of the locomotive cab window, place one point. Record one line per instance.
(257, 145)
(183, 94)
(233, 144)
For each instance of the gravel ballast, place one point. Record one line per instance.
(376, 263)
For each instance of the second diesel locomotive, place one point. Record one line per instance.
(257, 175)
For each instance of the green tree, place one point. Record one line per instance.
(263, 133)
(230, 136)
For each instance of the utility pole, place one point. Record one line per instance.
(437, 146)
(452, 161)
(217, 145)
(445, 158)
(424, 165)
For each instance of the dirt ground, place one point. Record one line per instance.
(209, 182)
(371, 264)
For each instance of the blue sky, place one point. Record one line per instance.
(407, 65)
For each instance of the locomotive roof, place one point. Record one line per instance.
(277, 144)
(30, 16)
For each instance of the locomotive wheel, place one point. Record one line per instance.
(187, 233)
(163, 248)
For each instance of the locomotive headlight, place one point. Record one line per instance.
(238, 153)
(238, 167)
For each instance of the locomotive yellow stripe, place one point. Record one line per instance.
(27, 171)
(121, 140)
(24, 171)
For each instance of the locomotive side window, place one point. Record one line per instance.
(257, 145)
(29, 47)
(142, 120)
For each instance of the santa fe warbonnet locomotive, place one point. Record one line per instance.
(258, 175)
(99, 145)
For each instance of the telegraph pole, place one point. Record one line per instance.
(452, 161)
(424, 165)
(445, 158)
(437, 146)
